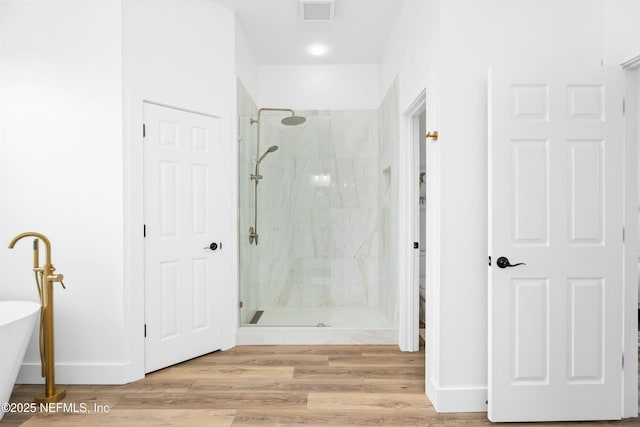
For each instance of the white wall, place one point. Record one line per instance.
(61, 174)
(61, 128)
(179, 53)
(575, 30)
(73, 78)
(319, 87)
(410, 51)
(410, 56)
(461, 39)
(621, 31)
(246, 67)
(472, 39)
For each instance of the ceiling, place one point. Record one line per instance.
(278, 35)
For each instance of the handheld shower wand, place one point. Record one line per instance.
(253, 231)
(269, 150)
(256, 176)
(291, 120)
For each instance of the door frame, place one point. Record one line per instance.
(631, 245)
(631, 256)
(145, 188)
(409, 231)
(133, 221)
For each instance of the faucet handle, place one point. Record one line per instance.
(57, 278)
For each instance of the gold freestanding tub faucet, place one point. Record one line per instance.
(44, 280)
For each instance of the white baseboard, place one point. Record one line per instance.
(314, 336)
(77, 373)
(458, 399)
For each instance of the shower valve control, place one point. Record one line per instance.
(213, 246)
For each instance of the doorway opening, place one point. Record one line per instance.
(413, 270)
(422, 220)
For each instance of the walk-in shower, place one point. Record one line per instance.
(324, 215)
(291, 120)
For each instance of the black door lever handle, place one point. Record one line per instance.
(503, 262)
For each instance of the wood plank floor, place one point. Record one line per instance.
(355, 385)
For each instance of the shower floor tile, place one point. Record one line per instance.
(334, 317)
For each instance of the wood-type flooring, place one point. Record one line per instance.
(349, 385)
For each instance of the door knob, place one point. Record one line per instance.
(503, 262)
(213, 246)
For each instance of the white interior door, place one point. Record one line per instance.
(181, 159)
(556, 205)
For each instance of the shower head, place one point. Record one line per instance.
(269, 150)
(293, 120)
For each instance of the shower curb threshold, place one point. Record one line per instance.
(313, 335)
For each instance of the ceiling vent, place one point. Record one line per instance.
(316, 10)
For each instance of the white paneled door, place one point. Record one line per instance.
(181, 160)
(555, 241)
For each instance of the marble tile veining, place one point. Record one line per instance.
(322, 218)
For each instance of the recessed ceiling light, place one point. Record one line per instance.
(318, 50)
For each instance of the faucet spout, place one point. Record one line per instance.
(47, 244)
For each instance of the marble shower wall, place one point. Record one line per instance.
(294, 217)
(321, 222)
(249, 261)
(356, 215)
(324, 211)
(388, 120)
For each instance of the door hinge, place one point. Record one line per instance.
(622, 361)
(144, 130)
(416, 245)
(145, 330)
(241, 304)
(144, 230)
(624, 107)
(489, 260)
